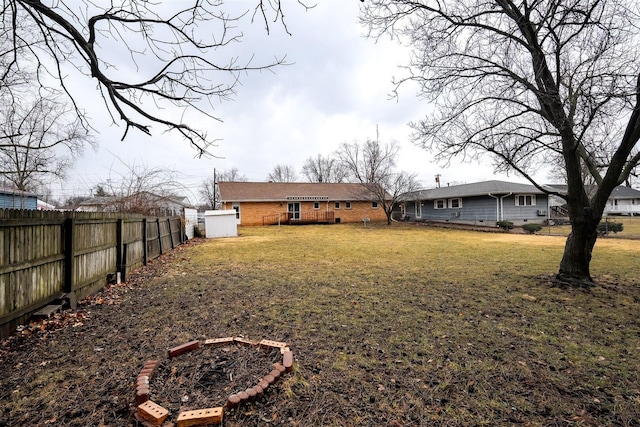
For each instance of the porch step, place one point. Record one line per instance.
(47, 311)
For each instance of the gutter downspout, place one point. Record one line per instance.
(497, 206)
(502, 204)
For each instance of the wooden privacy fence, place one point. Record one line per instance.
(44, 254)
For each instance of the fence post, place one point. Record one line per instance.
(123, 268)
(119, 247)
(159, 235)
(171, 233)
(145, 249)
(69, 255)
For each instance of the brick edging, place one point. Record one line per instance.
(150, 413)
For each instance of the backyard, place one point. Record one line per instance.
(389, 326)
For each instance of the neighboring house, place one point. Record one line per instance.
(265, 203)
(481, 202)
(44, 206)
(16, 199)
(98, 204)
(622, 201)
(145, 203)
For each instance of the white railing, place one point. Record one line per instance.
(623, 210)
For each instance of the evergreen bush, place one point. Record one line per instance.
(531, 228)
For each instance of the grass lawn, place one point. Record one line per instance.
(631, 228)
(390, 326)
(412, 326)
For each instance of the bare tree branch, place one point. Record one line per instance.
(175, 49)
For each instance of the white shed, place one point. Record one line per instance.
(220, 223)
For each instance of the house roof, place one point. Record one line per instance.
(474, 189)
(11, 192)
(98, 201)
(283, 191)
(620, 192)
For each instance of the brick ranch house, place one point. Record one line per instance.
(266, 203)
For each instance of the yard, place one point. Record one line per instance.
(631, 227)
(390, 326)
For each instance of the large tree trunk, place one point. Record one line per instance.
(574, 267)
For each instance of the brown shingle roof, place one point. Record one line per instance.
(282, 191)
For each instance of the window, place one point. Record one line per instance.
(337, 205)
(525, 200)
(374, 205)
(455, 203)
(294, 210)
(347, 205)
(440, 204)
(316, 205)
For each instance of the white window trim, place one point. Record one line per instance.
(533, 199)
(376, 205)
(450, 204)
(444, 203)
(316, 205)
(347, 205)
(336, 205)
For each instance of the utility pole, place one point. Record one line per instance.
(215, 190)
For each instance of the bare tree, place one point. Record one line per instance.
(38, 141)
(528, 82)
(209, 191)
(324, 169)
(373, 165)
(230, 175)
(209, 194)
(282, 173)
(147, 58)
(142, 189)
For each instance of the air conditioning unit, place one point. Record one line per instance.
(542, 212)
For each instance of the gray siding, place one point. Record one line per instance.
(479, 209)
(13, 201)
(473, 209)
(521, 213)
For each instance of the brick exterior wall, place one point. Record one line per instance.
(252, 213)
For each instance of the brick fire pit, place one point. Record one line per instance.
(151, 414)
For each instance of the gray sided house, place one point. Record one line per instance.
(481, 203)
(16, 199)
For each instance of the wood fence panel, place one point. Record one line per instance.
(133, 238)
(177, 231)
(153, 239)
(91, 270)
(31, 267)
(92, 234)
(37, 264)
(95, 248)
(165, 235)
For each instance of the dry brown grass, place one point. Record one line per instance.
(631, 228)
(412, 325)
(390, 326)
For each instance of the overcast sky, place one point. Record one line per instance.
(336, 90)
